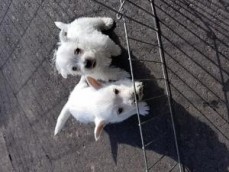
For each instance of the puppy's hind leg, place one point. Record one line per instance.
(108, 23)
(63, 117)
(100, 23)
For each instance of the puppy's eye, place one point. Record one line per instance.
(116, 91)
(120, 110)
(77, 51)
(74, 68)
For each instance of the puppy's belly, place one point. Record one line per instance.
(81, 114)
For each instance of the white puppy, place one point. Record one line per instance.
(92, 101)
(84, 50)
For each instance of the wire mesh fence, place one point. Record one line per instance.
(165, 74)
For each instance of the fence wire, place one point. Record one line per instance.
(121, 10)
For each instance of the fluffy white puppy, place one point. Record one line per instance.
(84, 50)
(92, 101)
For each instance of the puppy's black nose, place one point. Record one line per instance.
(89, 63)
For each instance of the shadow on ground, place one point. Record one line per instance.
(199, 145)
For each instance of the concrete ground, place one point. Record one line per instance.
(196, 46)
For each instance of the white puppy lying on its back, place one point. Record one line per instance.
(91, 101)
(84, 50)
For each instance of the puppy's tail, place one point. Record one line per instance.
(63, 117)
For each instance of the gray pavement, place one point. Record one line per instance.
(195, 40)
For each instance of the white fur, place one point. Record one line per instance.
(85, 34)
(101, 105)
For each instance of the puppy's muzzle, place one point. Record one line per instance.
(89, 63)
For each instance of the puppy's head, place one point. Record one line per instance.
(80, 54)
(114, 102)
(73, 58)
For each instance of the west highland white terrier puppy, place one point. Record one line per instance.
(92, 101)
(84, 50)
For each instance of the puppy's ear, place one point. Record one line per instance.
(94, 83)
(99, 125)
(64, 29)
(63, 36)
(61, 25)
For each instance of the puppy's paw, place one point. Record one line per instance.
(139, 86)
(143, 108)
(139, 89)
(109, 22)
